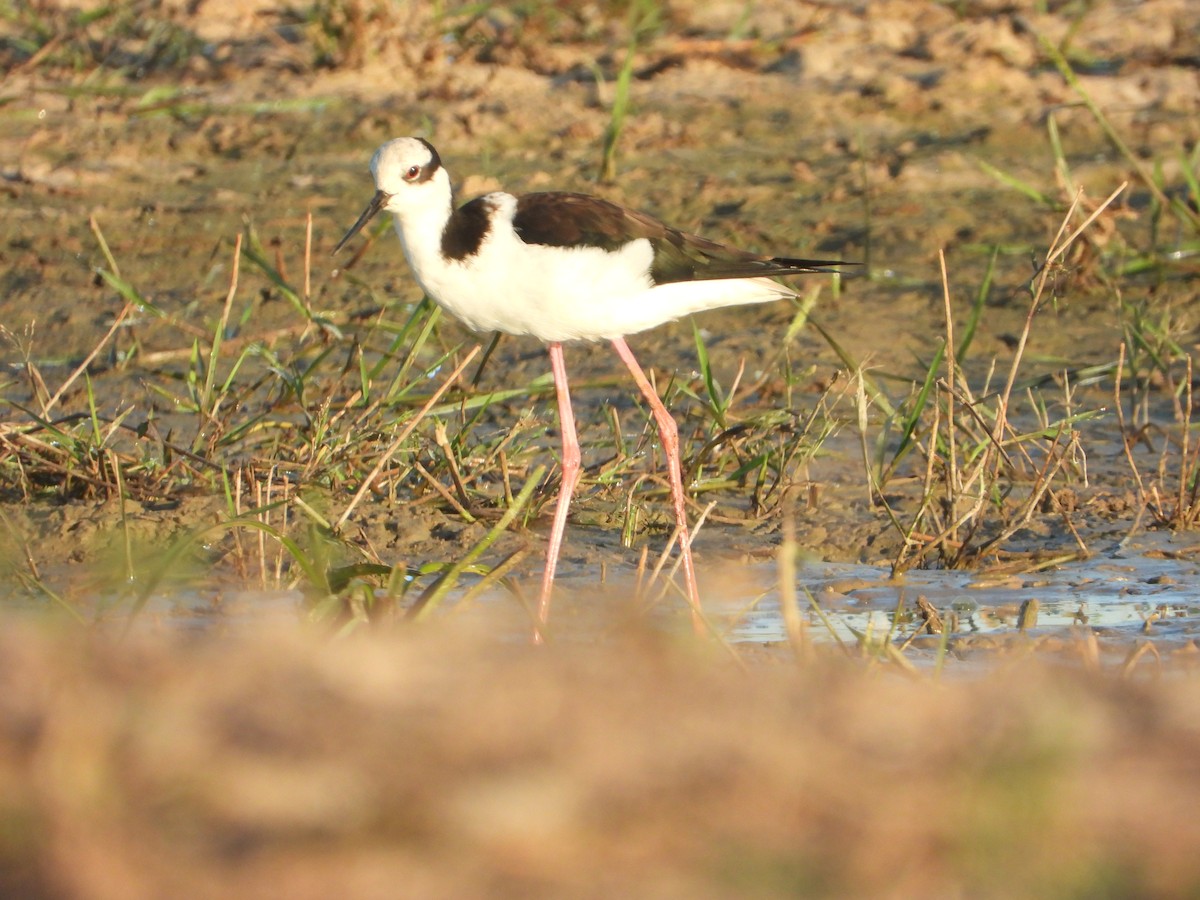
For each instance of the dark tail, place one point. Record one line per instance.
(787, 265)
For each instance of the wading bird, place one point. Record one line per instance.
(565, 267)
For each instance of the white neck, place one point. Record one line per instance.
(420, 221)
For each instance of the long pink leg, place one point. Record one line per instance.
(668, 434)
(570, 476)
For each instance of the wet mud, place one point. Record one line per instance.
(884, 137)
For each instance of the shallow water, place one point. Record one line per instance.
(1123, 595)
(1146, 591)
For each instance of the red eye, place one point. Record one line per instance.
(413, 172)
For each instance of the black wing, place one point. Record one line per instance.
(560, 219)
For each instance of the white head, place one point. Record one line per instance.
(409, 180)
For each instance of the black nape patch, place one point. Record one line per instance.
(467, 229)
(435, 163)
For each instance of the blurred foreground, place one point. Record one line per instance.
(444, 765)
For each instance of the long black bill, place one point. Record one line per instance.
(377, 203)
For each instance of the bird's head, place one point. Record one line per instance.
(409, 179)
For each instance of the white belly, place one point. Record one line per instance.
(565, 294)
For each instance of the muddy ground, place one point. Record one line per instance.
(240, 757)
(848, 134)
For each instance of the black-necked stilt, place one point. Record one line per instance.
(563, 267)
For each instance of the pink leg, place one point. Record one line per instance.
(570, 476)
(668, 434)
